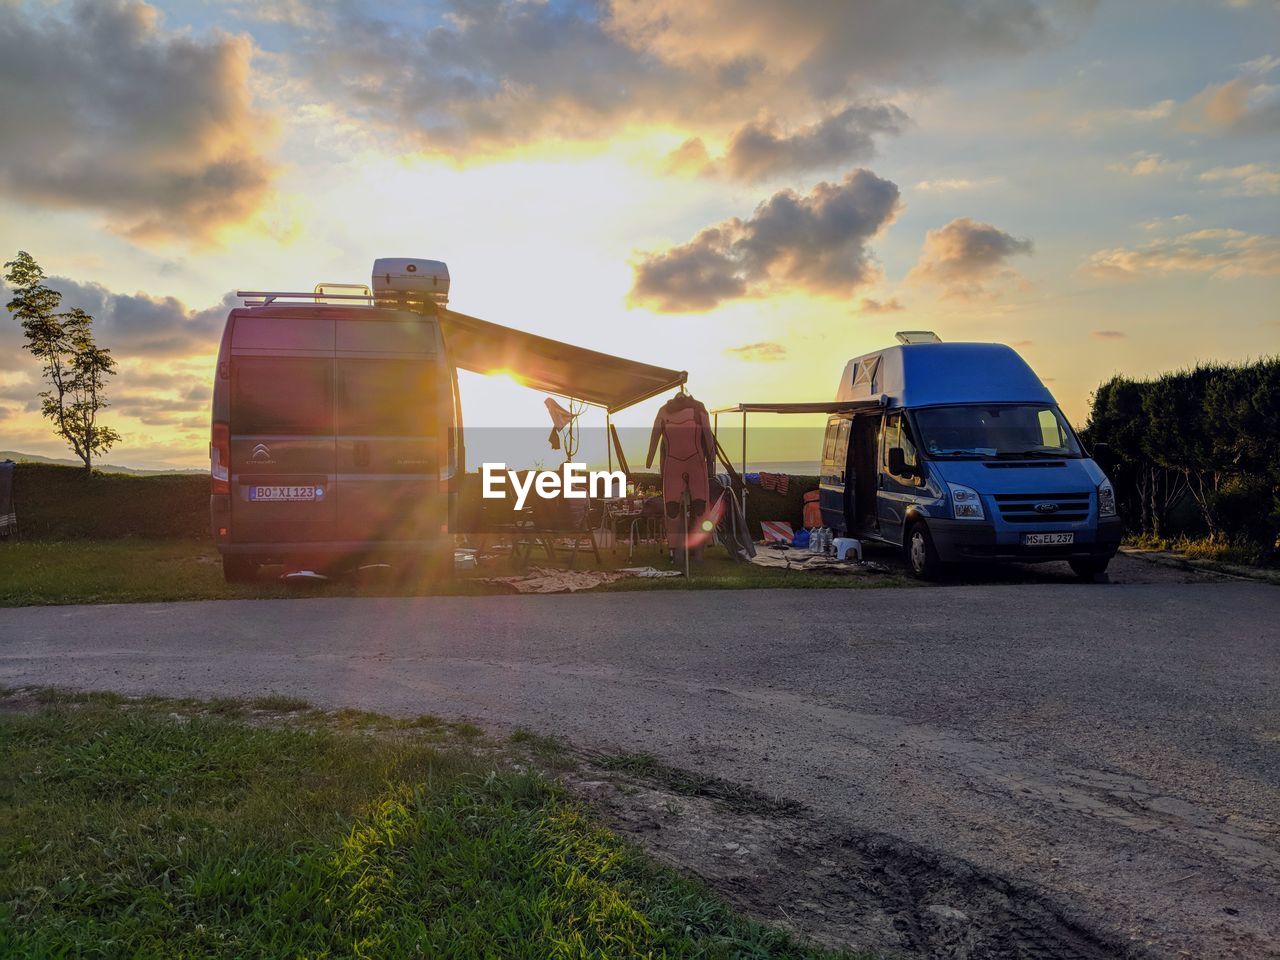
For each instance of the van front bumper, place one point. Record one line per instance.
(960, 540)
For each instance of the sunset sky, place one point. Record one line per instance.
(752, 191)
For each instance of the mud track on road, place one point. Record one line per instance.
(827, 881)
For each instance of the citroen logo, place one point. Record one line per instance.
(1046, 508)
(261, 453)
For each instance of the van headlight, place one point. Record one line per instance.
(1106, 499)
(965, 503)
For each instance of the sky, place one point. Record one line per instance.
(751, 191)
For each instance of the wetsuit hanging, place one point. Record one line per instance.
(683, 428)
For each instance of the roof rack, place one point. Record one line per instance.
(404, 301)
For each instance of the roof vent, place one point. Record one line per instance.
(404, 279)
(917, 336)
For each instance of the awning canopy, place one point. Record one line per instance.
(817, 406)
(545, 364)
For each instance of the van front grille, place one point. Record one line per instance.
(1043, 507)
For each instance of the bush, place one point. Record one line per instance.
(1245, 508)
(65, 503)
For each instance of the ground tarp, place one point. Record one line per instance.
(815, 562)
(545, 364)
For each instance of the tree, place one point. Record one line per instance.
(1147, 491)
(74, 366)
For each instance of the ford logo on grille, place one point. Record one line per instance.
(1046, 508)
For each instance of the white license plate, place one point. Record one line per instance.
(283, 493)
(1047, 539)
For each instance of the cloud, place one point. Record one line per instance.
(816, 243)
(690, 158)
(835, 48)
(182, 404)
(1160, 223)
(135, 325)
(138, 324)
(1224, 254)
(1146, 164)
(869, 305)
(763, 352)
(485, 77)
(956, 184)
(1094, 119)
(1109, 334)
(761, 149)
(1245, 105)
(964, 255)
(1246, 180)
(106, 111)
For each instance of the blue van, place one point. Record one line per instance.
(957, 452)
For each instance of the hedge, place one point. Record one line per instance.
(65, 503)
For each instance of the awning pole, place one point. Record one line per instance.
(608, 438)
(744, 463)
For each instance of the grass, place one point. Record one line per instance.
(132, 571)
(170, 828)
(1214, 550)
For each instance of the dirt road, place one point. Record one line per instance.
(1110, 754)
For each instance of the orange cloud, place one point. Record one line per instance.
(107, 111)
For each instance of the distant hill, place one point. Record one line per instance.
(104, 467)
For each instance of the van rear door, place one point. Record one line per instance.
(282, 448)
(393, 418)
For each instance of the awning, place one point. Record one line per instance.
(818, 406)
(545, 364)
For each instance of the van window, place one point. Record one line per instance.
(388, 398)
(996, 430)
(908, 444)
(281, 395)
(1051, 430)
(829, 444)
(897, 433)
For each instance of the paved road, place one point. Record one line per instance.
(1130, 732)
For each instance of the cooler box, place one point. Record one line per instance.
(400, 278)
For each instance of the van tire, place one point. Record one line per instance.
(239, 570)
(1090, 571)
(917, 548)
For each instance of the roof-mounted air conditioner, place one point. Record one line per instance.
(401, 278)
(917, 336)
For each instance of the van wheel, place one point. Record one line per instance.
(1090, 571)
(239, 570)
(922, 559)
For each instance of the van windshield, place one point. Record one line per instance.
(1003, 430)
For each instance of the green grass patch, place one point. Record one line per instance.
(1239, 552)
(132, 571)
(168, 828)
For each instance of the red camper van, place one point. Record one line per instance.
(335, 425)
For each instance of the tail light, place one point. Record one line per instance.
(220, 459)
